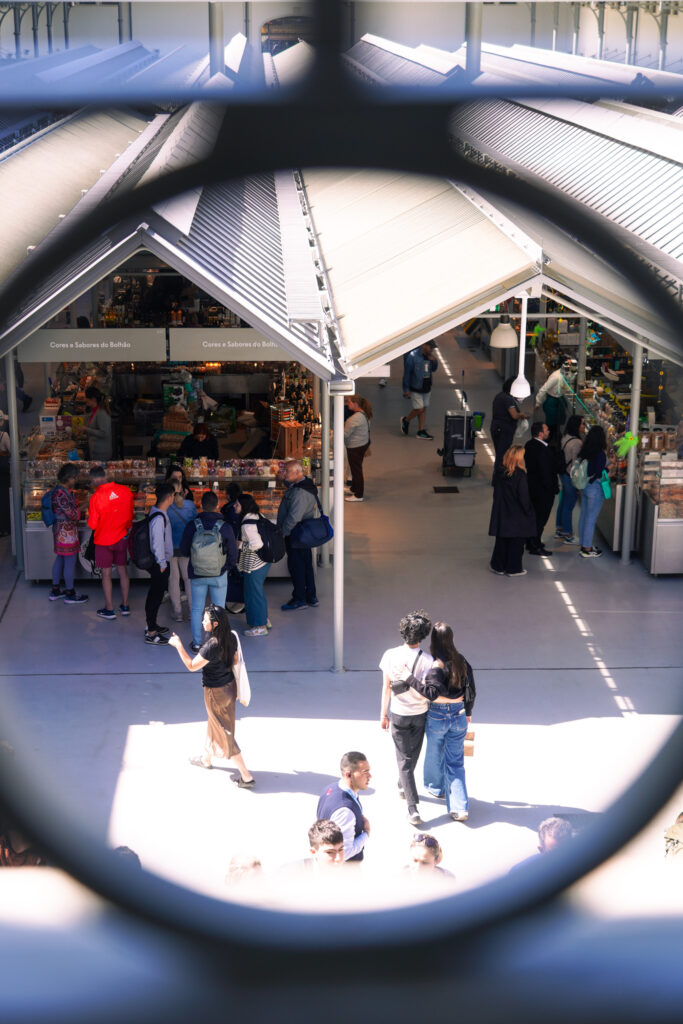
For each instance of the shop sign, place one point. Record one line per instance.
(223, 344)
(103, 345)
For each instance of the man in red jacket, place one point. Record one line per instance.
(110, 516)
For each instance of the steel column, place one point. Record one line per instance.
(35, 15)
(601, 31)
(216, 40)
(581, 373)
(576, 28)
(473, 20)
(48, 24)
(663, 30)
(247, 20)
(629, 497)
(629, 34)
(325, 464)
(66, 10)
(15, 466)
(338, 540)
(17, 30)
(556, 24)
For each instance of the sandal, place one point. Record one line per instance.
(241, 784)
(199, 763)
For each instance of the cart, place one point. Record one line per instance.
(458, 452)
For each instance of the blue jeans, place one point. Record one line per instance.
(216, 587)
(256, 606)
(565, 506)
(444, 767)
(64, 564)
(591, 503)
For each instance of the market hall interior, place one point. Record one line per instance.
(578, 668)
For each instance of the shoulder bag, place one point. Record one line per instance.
(311, 533)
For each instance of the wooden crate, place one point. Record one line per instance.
(290, 443)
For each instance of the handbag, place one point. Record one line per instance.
(311, 533)
(605, 484)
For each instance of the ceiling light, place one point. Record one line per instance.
(504, 336)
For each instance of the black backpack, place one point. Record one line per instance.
(273, 542)
(139, 543)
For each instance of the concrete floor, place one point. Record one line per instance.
(578, 670)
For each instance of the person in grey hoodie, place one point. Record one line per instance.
(300, 501)
(98, 426)
(161, 543)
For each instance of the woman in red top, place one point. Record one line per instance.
(65, 536)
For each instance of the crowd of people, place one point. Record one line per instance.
(527, 480)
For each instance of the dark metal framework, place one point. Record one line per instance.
(510, 950)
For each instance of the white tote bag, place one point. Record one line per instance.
(241, 676)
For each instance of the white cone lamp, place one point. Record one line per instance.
(520, 386)
(504, 336)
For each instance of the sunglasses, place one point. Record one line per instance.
(429, 841)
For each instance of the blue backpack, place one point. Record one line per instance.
(48, 516)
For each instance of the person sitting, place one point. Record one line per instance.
(552, 832)
(200, 444)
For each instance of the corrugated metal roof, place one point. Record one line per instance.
(395, 64)
(407, 257)
(639, 191)
(301, 288)
(291, 64)
(46, 176)
(114, 64)
(555, 61)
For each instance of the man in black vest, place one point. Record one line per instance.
(340, 803)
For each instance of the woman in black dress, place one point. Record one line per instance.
(512, 516)
(217, 658)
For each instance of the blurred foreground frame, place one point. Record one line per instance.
(515, 949)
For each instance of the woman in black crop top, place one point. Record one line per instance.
(449, 685)
(216, 658)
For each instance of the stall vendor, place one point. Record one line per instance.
(200, 444)
(98, 426)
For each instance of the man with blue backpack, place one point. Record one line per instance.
(210, 543)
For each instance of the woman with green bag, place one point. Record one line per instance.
(592, 496)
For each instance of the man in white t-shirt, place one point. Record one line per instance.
(406, 713)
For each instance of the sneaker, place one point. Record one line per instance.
(269, 624)
(292, 606)
(256, 631)
(569, 538)
(313, 603)
(496, 572)
(459, 815)
(414, 815)
(56, 593)
(598, 551)
(155, 638)
(404, 425)
(124, 609)
(195, 648)
(236, 607)
(522, 572)
(71, 597)
(106, 613)
(560, 534)
(162, 629)
(352, 497)
(425, 435)
(590, 553)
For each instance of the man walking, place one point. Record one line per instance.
(210, 543)
(300, 501)
(418, 367)
(161, 543)
(110, 516)
(406, 713)
(541, 469)
(341, 804)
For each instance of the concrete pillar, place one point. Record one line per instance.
(629, 497)
(338, 539)
(473, 20)
(216, 40)
(15, 466)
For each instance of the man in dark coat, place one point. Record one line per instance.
(541, 471)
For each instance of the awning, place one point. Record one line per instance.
(410, 257)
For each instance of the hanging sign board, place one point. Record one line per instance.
(98, 345)
(223, 344)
